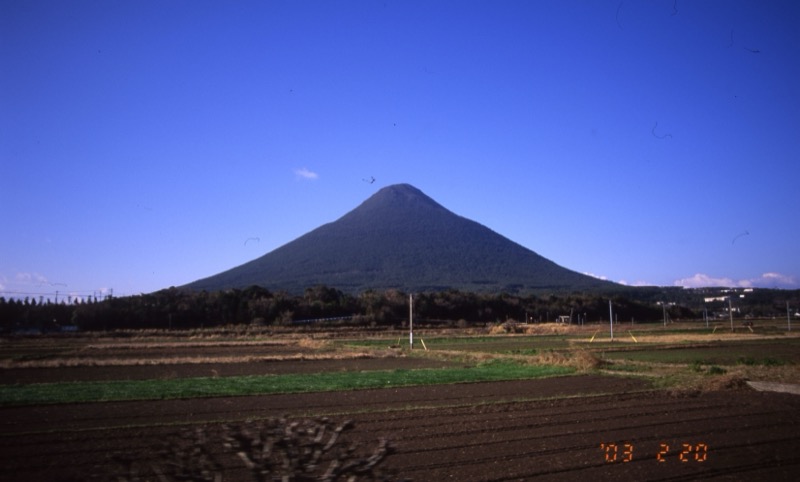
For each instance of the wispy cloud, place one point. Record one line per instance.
(766, 280)
(634, 283)
(779, 279)
(31, 279)
(700, 280)
(28, 279)
(306, 174)
(622, 281)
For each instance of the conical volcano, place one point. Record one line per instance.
(401, 238)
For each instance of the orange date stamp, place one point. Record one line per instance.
(623, 452)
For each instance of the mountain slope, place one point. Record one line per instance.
(401, 238)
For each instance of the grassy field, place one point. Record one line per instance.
(681, 355)
(259, 385)
(686, 355)
(463, 404)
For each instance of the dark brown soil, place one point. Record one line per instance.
(561, 428)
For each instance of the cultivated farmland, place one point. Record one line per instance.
(564, 403)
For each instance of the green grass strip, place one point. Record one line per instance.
(118, 390)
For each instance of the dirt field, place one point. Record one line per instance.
(585, 427)
(561, 428)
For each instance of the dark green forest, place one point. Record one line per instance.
(176, 308)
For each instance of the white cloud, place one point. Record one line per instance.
(635, 283)
(31, 279)
(622, 281)
(779, 279)
(766, 280)
(700, 280)
(306, 174)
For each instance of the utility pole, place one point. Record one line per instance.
(788, 318)
(664, 308)
(730, 311)
(411, 322)
(611, 319)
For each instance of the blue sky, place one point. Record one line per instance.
(148, 144)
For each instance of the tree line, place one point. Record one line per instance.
(175, 308)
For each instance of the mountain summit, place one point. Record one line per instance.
(401, 238)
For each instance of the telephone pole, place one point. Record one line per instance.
(410, 322)
(788, 317)
(730, 311)
(611, 319)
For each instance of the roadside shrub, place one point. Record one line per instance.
(510, 326)
(552, 357)
(498, 329)
(583, 360)
(586, 360)
(549, 329)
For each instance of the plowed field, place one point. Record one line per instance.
(566, 428)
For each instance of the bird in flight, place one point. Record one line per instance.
(653, 130)
(257, 240)
(745, 233)
(370, 180)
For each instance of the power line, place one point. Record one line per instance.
(84, 294)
